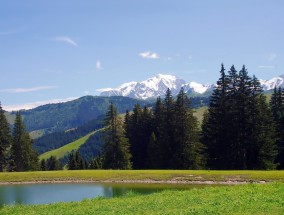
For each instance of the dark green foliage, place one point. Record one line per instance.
(76, 161)
(96, 163)
(153, 159)
(43, 165)
(139, 127)
(187, 151)
(116, 153)
(23, 157)
(168, 138)
(58, 139)
(277, 108)
(52, 164)
(92, 147)
(215, 135)
(238, 131)
(63, 116)
(5, 140)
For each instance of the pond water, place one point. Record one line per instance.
(51, 193)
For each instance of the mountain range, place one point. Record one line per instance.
(157, 86)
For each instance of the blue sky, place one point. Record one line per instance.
(62, 49)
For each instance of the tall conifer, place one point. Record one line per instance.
(24, 157)
(116, 147)
(5, 140)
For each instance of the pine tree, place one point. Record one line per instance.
(53, 164)
(187, 151)
(168, 128)
(153, 159)
(43, 165)
(116, 153)
(215, 137)
(96, 163)
(265, 147)
(72, 165)
(156, 154)
(24, 157)
(239, 132)
(5, 140)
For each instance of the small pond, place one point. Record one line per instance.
(51, 193)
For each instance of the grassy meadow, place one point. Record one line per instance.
(239, 199)
(62, 151)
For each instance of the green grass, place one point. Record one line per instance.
(37, 133)
(244, 199)
(156, 175)
(62, 151)
(199, 113)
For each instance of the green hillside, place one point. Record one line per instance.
(62, 151)
(63, 116)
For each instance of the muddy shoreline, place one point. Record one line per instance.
(148, 181)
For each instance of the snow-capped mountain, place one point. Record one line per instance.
(155, 86)
(158, 85)
(272, 83)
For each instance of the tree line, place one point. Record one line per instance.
(16, 152)
(240, 130)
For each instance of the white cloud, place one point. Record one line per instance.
(99, 65)
(272, 57)
(149, 55)
(32, 105)
(66, 40)
(266, 67)
(27, 90)
(87, 92)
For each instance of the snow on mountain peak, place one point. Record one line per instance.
(272, 83)
(154, 87)
(158, 85)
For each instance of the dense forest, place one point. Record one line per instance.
(16, 152)
(240, 130)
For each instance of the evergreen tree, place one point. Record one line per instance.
(153, 159)
(76, 161)
(53, 164)
(239, 132)
(168, 128)
(43, 165)
(265, 147)
(277, 109)
(24, 158)
(72, 165)
(5, 140)
(215, 137)
(96, 163)
(156, 152)
(187, 151)
(116, 153)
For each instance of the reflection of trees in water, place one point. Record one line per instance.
(20, 195)
(110, 191)
(118, 190)
(12, 195)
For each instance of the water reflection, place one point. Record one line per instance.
(51, 193)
